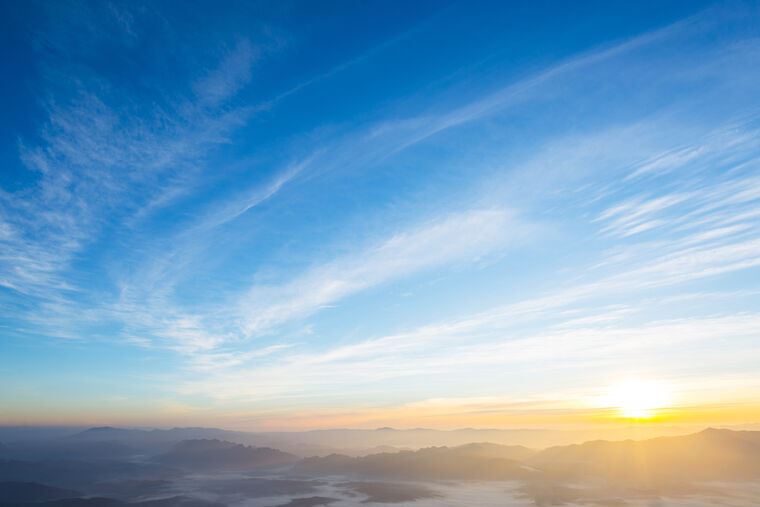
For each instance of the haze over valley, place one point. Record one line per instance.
(195, 467)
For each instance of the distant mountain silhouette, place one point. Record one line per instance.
(709, 455)
(349, 441)
(110, 433)
(660, 464)
(155, 440)
(600, 471)
(222, 455)
(488, 450)
(606, 473)
(352, 442)
(465, 462)
(103, 429)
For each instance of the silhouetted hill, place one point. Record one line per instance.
(223, 455)
(33, 492)
(354, 442)
(705, 456)
(109, 433)
(154, 440)
(665, 463)
(464, 462)
(488, 450)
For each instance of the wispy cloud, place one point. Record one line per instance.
(494, 359)
(127, 232)
(565, 328)
(100, 162)
(229, 77)
(459, 237)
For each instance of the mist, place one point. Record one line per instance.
(207, 467)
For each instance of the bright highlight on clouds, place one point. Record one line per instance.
(251, 219)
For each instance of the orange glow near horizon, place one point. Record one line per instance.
(639, 399)
(635, 401)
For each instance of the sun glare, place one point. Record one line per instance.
(638, 399)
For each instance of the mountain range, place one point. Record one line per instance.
(598, 471)
(214, 454)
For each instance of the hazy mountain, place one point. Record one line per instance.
(111, 442)
(359, 441)
(489, 450)
(222, 455)
(665, 465)
(466, 462)
(600, 472)
(710, 455)
(108, 433)
(153, 440)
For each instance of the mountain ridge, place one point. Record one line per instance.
(223, 455)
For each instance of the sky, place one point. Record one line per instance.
(294, 215)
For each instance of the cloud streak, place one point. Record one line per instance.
(456, 238)
(222, 231)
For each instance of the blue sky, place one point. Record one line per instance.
(297, 214)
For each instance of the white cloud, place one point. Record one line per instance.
(96, 160)
(456, 238)
(502, 355)
(229, 77)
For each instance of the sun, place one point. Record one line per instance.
(638, 399)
